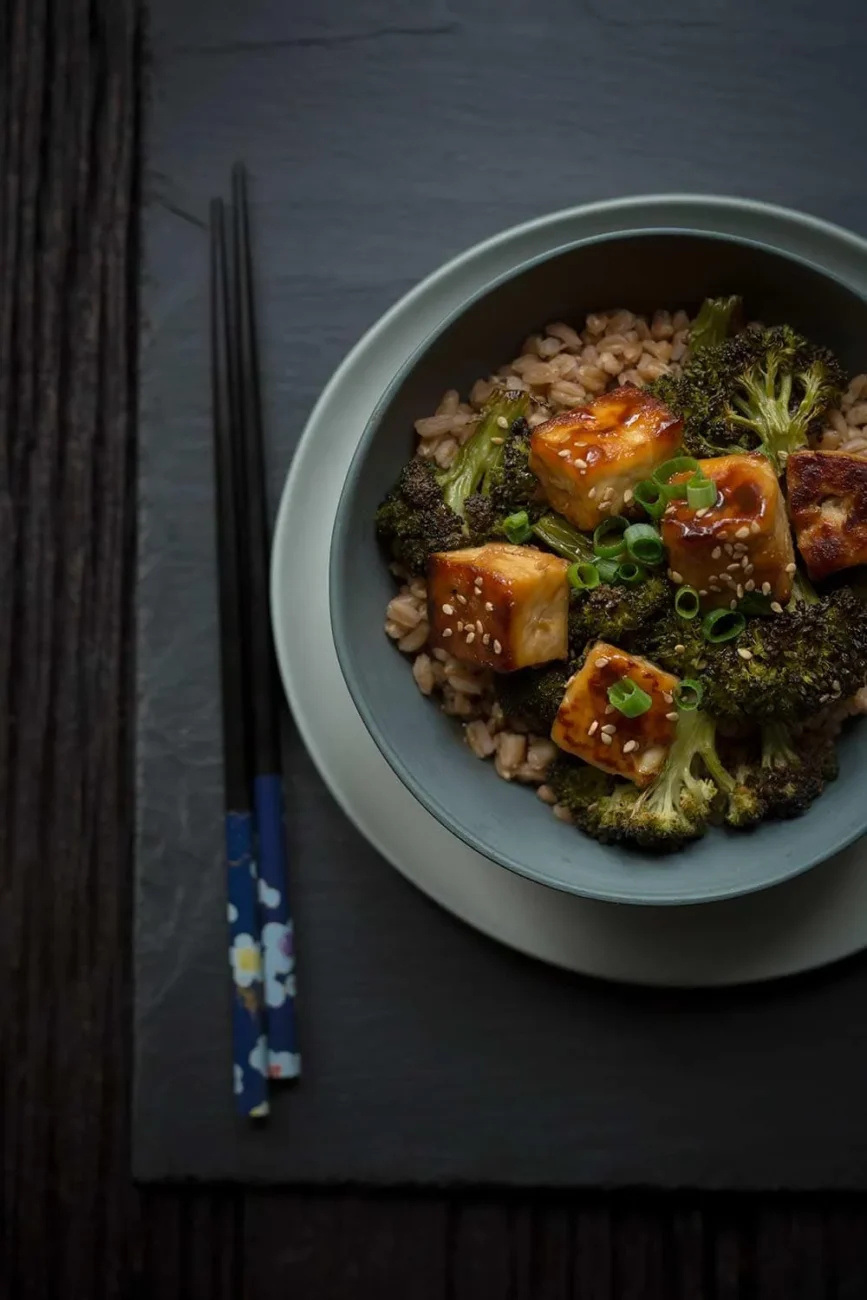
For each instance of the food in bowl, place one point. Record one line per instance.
(629, 565)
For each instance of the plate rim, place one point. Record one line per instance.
(521, 920)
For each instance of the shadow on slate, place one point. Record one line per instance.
(379, 146)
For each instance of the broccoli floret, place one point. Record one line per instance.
(414, 520)
(673, 810)
(789, 775)
(795, 662)
(513, 485)
(440, 510)
(615, 613)
(533, 694)
(717, 318)
(762, 390)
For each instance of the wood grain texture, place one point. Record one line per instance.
(71, 1222)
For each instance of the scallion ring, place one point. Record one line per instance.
(607, 570)
(650, 497)
(688, 694)
(629, 699)
(583, 577)
(644, 544)
(630, 573)
(700, 492)
(608, 539)
(722, 625)
(517, 528)
(687, 603)
(663, 476)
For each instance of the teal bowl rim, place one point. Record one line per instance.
(343, 649)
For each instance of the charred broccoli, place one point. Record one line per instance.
(762, 390)
(673, 810)
(615, 613)
(784, 667)
(716, 319)
(789, 775)
(533, 694)
(439, 510)
(513, 485)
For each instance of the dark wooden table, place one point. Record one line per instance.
(71, 1222)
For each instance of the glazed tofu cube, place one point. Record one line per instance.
(589, 459)
(742, 543)
(828, 506)
(499, 606)
(589, 726)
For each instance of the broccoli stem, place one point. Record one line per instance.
(803, 591)
(471, 469)
(713, 322)
(559, 536)
(777, 749)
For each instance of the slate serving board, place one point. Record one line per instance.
(382, 139)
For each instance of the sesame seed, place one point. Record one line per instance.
(716, 553)
(593, 728)
(601, 661)
(731, 567)
(609, 729)
(605, 506)
(471, 636)
(629, 746)
(486, 639)
(497, 648)
(592, 493)
(743, 532)
(766, 589)
(679, 649)
(479, 627)
(749, 568)
(784, 456)
(750, 585)
(733, 604)
(447, 631)
(609, 708)
(448, 609)
(837, 688)
(606, 739)
(713, 587)
(608, 494)
(579, 462)
(462, 600)
(460, 626)
(745, 562)
(699, 514)
(790, 568)
(497, 442)
(744, 653)
(627, 496)
(489, 606)
(676, 578)
(776, 607)
(672, 717)
(564, 453)
(728, 548)
(502, 422)
(478, 583)
(667, 697)
(823, 699)
(754, 526)
(740, 592)
(702, 592)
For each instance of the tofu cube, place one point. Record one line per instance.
(589, 458)
(589, 726)
(828, 507)
(499, 606)
(742, 543)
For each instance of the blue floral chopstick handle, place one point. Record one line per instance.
(249, 1044)
(278, 944)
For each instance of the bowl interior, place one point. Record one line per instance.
(640, 270)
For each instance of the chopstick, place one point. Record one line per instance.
(261, 668)
(249, 1046)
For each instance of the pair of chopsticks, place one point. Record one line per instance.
(261, 950)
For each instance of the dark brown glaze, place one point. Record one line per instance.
(509, 578)
(828, 508)
(586, 701)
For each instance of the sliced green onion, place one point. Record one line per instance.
(583, 577)
(630, 573)
(722, 625)
(650, 497)
(644, 544)
(629, 699)
(517, 527)
(608, 539)
(688, 694)
(687, 602)
(663, 476)
(754, 604)
(700, 492)
(558, 535)
(607, 570)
